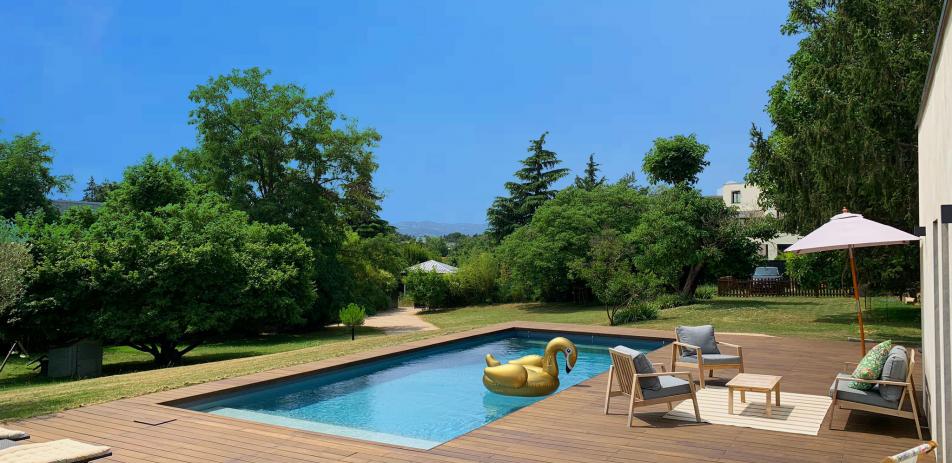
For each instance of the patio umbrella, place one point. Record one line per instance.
(849, 231)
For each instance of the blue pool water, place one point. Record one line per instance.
(419, 399)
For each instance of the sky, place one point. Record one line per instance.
(456, 89)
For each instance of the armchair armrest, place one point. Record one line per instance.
(722, 343)
(667, 373)
(685, 345)
(659, 365)
(849, 366)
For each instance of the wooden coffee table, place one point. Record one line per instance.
(747, 382)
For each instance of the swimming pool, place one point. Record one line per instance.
(418, 399)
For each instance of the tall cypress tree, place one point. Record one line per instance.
(591, 180)
(532, 188)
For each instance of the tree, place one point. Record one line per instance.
(15, 263)
(536, 261)
(675, 160)
(533, 188)
(285, 157)
(844, 115)
(591, 179)
(611, 274)
(352, 316)
(682, 233)
(25, 178)
(97, 192)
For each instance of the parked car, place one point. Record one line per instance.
(767, 281)
(766, 274)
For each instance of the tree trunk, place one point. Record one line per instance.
(353, 332)
(691, 281)
(165, 353)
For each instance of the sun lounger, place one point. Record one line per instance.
(57, 451)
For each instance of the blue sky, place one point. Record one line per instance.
(455, 88)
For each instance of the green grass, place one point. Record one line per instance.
(818, 318)
(23, 394)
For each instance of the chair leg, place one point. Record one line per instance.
(697, 411)
(700, 368)
(631, 409)
(608, 390)
(712, 372)
(832, 414)
(915, 410)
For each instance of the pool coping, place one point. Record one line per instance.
(174, 398)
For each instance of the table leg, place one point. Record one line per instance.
(777, 393)
(743, 398)
(768, 404)
(730, 400)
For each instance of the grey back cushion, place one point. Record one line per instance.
(701, 336)
(895, 369)
(642, 366)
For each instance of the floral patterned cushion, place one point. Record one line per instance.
(871, 366)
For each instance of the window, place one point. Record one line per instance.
(781, 248)
(735, 197)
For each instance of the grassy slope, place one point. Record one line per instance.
(23, 396)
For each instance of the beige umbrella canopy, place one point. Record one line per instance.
(849, 231)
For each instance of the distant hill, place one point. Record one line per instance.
(427, 228)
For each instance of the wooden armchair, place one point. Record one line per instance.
(686, 355)
(631, 383)
(876, 400)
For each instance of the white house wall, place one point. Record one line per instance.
(935, 174)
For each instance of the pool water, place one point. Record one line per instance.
(419, 399)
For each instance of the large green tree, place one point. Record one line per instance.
(161, 267)
(538, 259)
(844, 115)
(285, 157)
(676, 160)
(25, 176)
(531, 190)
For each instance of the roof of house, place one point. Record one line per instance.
(934, 62)
(433, 266)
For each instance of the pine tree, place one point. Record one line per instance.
(591, 180)
(532, 188)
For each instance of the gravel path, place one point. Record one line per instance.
(399, 320)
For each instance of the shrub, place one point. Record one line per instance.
(668, 301)
(705, 293)
(353, 316)
(475, 282)
(636, 312)
(428, 289)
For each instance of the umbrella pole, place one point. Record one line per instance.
(859, 308)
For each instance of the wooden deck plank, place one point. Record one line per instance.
(569, 426)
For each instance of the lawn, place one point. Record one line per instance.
(23, 394)
(806, 317)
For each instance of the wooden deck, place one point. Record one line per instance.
(569, 426)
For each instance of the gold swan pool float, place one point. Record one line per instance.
(532, 375)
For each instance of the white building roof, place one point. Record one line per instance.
(431, 266)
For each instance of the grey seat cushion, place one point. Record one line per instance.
(642, 366)
(894, 369)
(669, 386)
(713, 359)
(870, 397)
(701, 336)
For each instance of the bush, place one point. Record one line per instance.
(475, 282)
(637, 312)
(705, 293)
(353, 316)
(668, 301)
(428, 289)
